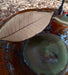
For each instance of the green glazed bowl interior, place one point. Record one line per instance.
(46, 54)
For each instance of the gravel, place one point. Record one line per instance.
(9, 7)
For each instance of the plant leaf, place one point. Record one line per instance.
(25, 25)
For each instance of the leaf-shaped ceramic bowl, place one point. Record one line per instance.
(11, 53)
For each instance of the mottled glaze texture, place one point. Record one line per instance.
(11, 59)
